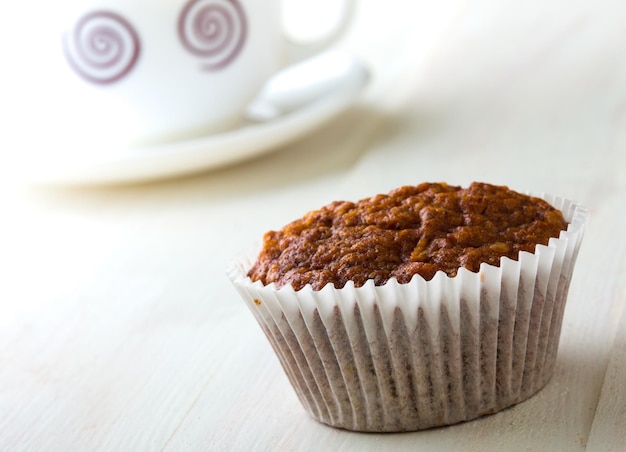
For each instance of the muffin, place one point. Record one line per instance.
(424, 307)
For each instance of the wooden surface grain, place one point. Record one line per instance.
(119, 329)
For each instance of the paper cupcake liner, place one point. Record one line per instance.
(405, 357)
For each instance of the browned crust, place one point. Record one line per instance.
(411, 230)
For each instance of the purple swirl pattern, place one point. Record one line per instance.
(213, 30)
(102, 47)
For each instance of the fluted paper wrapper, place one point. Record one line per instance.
(405, 357)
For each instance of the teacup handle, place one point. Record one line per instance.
(296, 51)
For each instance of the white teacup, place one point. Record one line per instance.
(144, 71)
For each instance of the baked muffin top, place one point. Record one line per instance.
(411, 230)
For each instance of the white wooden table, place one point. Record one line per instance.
(120, 331)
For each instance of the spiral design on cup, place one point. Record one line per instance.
(213, 30)
(102, 47)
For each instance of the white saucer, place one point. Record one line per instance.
(294, 103)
